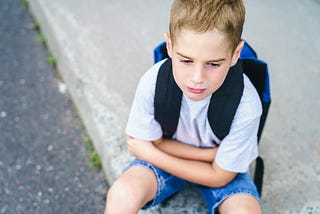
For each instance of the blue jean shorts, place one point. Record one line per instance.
(169, 184)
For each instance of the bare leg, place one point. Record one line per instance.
(240, 204)
(131, 191)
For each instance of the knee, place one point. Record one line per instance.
(131, 191)
(120, 193)
(240, 204)
(246, 210)
(238, 210)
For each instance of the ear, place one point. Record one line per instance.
(169, 43)
(236, 53)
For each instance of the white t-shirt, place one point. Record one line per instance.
(236, 151)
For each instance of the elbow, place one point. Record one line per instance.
(157, 142)
(218, 182)
(221, 177)
(221, 183)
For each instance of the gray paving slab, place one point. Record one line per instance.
(43, 157)
(103, 47)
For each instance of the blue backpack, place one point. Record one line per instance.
(167, 100)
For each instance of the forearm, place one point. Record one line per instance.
(204, 173)
(181, 150)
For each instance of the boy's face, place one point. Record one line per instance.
(201, 61)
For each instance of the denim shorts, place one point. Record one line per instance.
(169, 184)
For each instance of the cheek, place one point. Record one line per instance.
(179, 78)
(177, 66)
(216, 79)
(179, 72)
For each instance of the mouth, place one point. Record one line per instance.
(196, 90)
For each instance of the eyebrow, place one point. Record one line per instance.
(213, 60)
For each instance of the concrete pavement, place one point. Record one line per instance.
(103, 47)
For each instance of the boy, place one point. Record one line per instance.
(203, 44)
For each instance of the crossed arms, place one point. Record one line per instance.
(190, 163)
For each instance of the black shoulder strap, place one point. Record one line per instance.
(257, 72)
(225, 101)
(167, 100)
(223, 105)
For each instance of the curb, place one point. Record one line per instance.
(100, 119)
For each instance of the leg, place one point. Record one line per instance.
(131, 191)
(239, 196)
(241, 203)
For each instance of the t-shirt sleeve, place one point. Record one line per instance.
(141, 122)
(239, 148)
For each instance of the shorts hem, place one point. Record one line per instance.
(240, 192)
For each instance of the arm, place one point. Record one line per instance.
(181, 150)
(204, 173)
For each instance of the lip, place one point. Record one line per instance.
(196, 90)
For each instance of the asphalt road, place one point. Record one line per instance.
(43, 157)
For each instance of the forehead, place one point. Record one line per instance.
(208, 45)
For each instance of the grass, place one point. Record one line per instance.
(52, 60)
(41, 38)
(36, 26)
(25, 3)
(94, 159)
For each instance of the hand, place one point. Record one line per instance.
(142, 150)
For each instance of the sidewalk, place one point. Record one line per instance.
(103, 48)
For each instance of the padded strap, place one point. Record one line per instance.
(167, 100)
(225, 101)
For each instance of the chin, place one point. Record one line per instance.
(196, 97)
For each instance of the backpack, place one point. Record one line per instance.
(167, 100)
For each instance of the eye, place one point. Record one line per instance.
(186, 61)
(213, 65)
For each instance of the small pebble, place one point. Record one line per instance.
(3, 114)
(50, 168)
(22, 81)
(50, 148)
(62, 87)
(4, 209)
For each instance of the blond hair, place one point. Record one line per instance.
(201, 16)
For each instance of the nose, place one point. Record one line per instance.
(198, 74)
